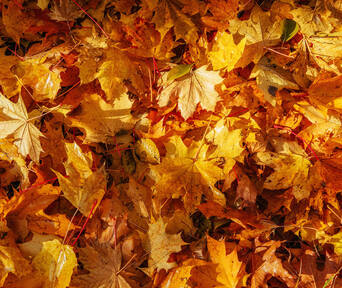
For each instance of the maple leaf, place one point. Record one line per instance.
(83, 186)
(161, 245)
(101, 120)
(168, 14)
(260, 31)
(290, 170)
(271, 265)
(229, 266)
(186, 172)
(225, 53)
(271, 79)
(103, 264)
(321, 45)
(65, 10)
(37, 74)
(14, 121)
(228, 141)
(198, 87)
(56, 262)
(221, 12)
(117, 69)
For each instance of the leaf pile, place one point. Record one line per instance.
(170, 143)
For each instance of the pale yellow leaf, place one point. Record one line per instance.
(197, 87)
(15, 122)
(56, 262)
(162, 245)
(226, 52)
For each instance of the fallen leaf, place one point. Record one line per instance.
(186, 172)
(147, 151)
(260, 30)
(82, 187)
(225, 52)
(270, 80)
(101, 120)
(161, 246)
(197, 87)
(11, 261)
(228, 141)
(271, 265)
(121, 69)
(56, 262)
(65, 10)
(229, 266)
(178, 277)
(16, 122)
(221, 12)
(168, 14)
(290, 170)
(37, 74)
(103, 264)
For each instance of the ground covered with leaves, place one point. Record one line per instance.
(170, 143)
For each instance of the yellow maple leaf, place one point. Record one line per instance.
(14, 121)
(38, 75)
(225, 53)
(162, 245)
(101, 120)
(260, 31)
(56, 262)
(290, 170)
(229, 266)
(192, 273)
(228, 141)
(114, 71)
(185, 172)
(82, 187)
(168, 14)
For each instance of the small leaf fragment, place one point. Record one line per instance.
(290, 29)
(147, 151)
(179, 71)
